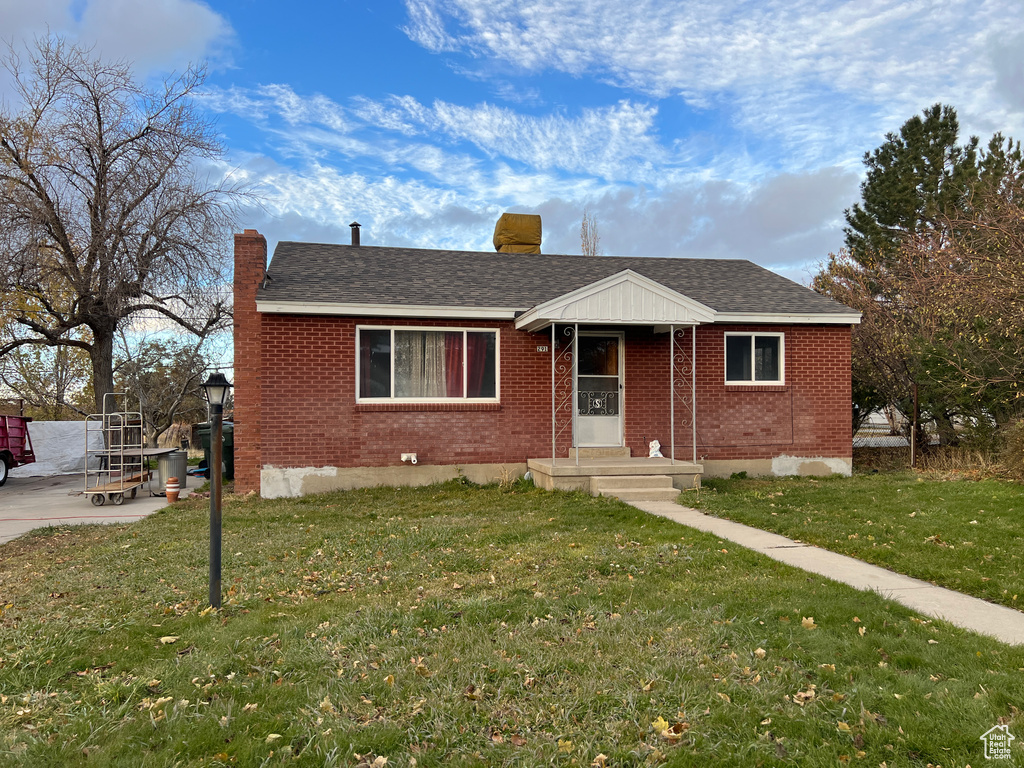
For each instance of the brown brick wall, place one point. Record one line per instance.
(250, 267)
(310, 415)
(810, 415)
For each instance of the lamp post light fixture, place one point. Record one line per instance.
(215, 390)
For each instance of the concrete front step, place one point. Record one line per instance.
(600, 453)
(641, 494)
(603, 482)
(634, 487)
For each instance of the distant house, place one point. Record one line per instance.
(367, 365)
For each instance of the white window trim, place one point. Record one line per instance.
(465, 368)
(752, 383)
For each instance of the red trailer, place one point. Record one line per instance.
(15, 444)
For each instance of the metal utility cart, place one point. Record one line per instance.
(118, 469)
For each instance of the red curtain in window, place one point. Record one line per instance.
(453, 364)
(476, 359)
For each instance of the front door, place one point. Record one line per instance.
(599, 389)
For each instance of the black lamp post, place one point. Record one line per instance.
(215, 390)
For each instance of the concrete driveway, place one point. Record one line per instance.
(37, 502)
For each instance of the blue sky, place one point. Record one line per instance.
(715, 128)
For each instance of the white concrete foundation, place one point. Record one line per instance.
(780, 466)
(281, 482)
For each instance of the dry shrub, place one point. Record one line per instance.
(1011, 449)
(961, 461)
(894, 459)
(506, 479)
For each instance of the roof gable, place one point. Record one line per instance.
(625, 298)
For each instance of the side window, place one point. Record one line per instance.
(754, 358)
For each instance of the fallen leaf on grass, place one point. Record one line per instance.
(843, 726)
(675, 732)
(861, 631)
(808, 622)
(660, 725)
(517, 740)
(601, 761)
(272, 737)
(760, 653)
(472, 693)
(497, 738)
(802, 697)
(565, 747)
(168, 639)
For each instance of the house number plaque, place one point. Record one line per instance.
(542, 347)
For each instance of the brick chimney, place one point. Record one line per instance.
(250, 269)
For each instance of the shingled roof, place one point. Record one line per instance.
(314, 273)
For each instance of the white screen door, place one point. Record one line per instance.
(599, 390)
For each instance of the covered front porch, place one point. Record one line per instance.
(594, 404)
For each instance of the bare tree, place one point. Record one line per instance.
(590, 240)
(105, 214)
(165, 375)
(52, 381)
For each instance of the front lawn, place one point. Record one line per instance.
(963, 535)
(455, 625)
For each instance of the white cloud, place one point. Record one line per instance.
(157, 35)
(853, 68)
(785, 221)
(615, 142)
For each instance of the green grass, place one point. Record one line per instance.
(455, 625)
(962, 535)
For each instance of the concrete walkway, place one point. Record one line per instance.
(972, 613)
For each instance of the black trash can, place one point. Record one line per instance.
(228, 451)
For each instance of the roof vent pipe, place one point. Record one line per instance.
(355, 232)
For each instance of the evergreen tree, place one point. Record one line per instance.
(915, 179)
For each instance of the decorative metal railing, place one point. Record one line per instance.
(563, 388)
(683, 396)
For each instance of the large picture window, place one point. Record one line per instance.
(415, 364)
(754, 358)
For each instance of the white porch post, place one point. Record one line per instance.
(575, 387)
(672, 387)
(693, 387)
(554, 451)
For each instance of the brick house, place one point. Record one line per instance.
(359, 365)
